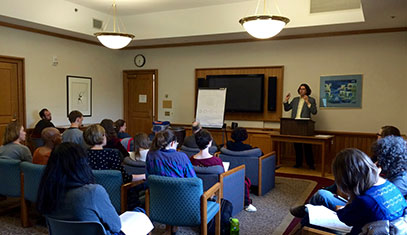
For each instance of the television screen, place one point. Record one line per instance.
(245, 92)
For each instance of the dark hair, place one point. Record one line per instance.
(141, 140)
(12, 132)
(73, 115)
(202, 138)
(94, 134)
(354, 172)
(42, 112)
(306, 88)
(196, 126)
(239, 134)
(391, 154)
(162, 139)
(118, 124)
(389, 130)
(67, 168)
(109, 128)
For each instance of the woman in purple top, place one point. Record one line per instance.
(164, 159)
(204, 140)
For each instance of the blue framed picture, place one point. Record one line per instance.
(341, 91)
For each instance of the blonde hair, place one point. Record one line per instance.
(12, 132)
(94, 134)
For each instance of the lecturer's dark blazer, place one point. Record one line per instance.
(305, 112)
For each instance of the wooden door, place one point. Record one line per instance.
(140, 100)
(12, 93)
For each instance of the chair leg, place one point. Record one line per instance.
(217, 223)
(25, 222)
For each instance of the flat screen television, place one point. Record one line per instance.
(245, 92)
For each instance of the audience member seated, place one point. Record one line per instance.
(330, 196)
(163, 158)
(14, 136)
(203, 140)
(45, 122)
(141, 146)
(388, 130)
(371, 198)
(52, 137)
(73, 134)
(120, 126)
(112, 141)
(390, 153)
(239, 134)
(67, 190)
(101, 158)
(190, 141)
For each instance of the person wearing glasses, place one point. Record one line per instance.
(387, 131)
(302, 107)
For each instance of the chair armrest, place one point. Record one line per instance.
(227, 173)
(260, 176)
(312, 231)
(214, 190)
(123, 193)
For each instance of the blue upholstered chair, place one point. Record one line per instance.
(232, 183)
(64, 227)
(182, 202)
(10, 177)
(259, 169)
(128, 143)
(192, 151)
(234, 187)
(112, 181)
(31, 175)
(134, 167)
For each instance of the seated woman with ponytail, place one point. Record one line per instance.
(164, 159)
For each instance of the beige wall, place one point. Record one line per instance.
(381, 58)
(46, 84)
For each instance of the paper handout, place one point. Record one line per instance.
(324, 217)
(135, 223)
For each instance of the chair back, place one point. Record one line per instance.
(37, 142)
(249, 158)
(209, 175)
(189, 151)
(175, 201)
(64, 227)
(32, 174)
(128, 143)
(233, 182)
(134, 167)
(112, 181)
(10, 177)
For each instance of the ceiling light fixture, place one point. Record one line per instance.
(265, 25)
(114, 40)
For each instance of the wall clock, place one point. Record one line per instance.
(139, 60)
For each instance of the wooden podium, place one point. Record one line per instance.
(303, 127)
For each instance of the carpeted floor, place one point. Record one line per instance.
(272, 216)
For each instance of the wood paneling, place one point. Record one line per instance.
(273, 71)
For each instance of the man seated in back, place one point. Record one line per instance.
(45, 122)
(73, 134)
(190, 141)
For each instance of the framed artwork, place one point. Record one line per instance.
(79, 94)
(341, 91)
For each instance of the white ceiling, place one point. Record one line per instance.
(133, 7)
(160, 22)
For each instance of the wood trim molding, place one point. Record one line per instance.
(287, 37)
(215, 42)
(48, 33)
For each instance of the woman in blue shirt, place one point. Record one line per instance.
(371, 198)
(67, 190)
(164, 159)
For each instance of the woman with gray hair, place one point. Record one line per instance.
(390, 153)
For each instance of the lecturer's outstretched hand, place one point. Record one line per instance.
(287, 97)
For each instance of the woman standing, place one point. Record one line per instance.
(13, 147)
